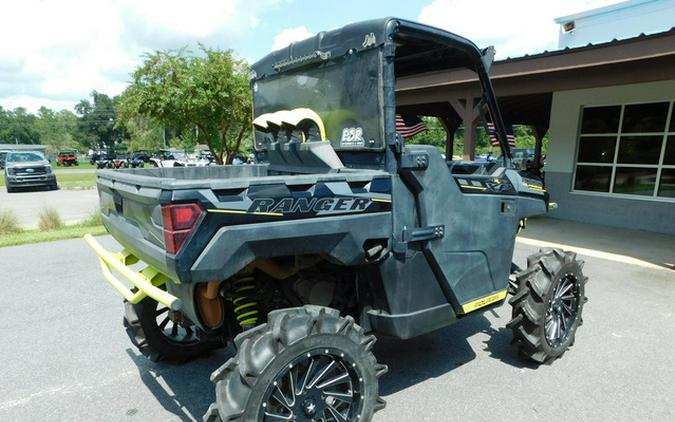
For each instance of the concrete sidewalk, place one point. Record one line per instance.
(608, 242)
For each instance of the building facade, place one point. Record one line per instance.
(608, 108)
(626, 19)
(611, 159)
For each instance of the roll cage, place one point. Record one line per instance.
(406, 48)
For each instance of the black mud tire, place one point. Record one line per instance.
(243, 382)
(532, 304)
(140, 322)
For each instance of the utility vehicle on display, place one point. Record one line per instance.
(67, 158)
(174, 158)
(342, 231)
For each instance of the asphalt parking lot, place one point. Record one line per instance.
(66, 356)
(72, 205)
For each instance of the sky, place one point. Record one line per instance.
(55, 52)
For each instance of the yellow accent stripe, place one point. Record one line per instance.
(484, 301)
(270, 214)
(386, 201)
(474, 187)
(535, 187)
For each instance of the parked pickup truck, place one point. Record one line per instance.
(345, 230)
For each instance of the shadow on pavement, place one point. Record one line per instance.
(186, 391)
(432, 355)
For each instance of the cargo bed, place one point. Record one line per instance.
(231, 197)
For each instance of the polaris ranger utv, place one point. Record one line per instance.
(342, 232)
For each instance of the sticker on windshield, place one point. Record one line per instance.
(352, 137)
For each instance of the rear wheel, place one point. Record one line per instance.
(304, 364)
(548, 305)
(159, 335)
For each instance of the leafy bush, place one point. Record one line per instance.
(9, 223)
(49, 219)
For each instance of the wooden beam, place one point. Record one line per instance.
(469, 112)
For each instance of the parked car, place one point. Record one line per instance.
(67, 158)
(3, 154)
(28, 169)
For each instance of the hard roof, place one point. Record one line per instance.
(366, 35)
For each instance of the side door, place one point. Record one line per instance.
(472, 257)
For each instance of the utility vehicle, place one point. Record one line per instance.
(173, 158)
(67, 158)
(342, 232)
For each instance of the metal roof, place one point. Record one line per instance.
(590, 46)
(601, 10)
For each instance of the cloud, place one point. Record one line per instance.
(515, 27)
(290, 35)
(33, 103)
(60, 51)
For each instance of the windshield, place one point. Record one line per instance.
(344, 93)
(24, 156)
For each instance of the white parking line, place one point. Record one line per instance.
(594, 253)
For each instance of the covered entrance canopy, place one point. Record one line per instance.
(524, 85)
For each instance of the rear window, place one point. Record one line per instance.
(344, 93)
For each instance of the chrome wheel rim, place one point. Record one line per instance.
(563, 307)
(323, 385)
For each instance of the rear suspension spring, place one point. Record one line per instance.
(245, 308)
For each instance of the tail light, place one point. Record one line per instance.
(179, 220)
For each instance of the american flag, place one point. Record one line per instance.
(409, 125)
(492, 132)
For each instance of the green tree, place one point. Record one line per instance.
(144, 134)
(57, 130)
(209, 92)
(21, 127)
(4, 126)
(97, 120)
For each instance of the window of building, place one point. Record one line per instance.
(627, 150)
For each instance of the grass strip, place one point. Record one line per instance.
(39, 236)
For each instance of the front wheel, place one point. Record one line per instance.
(159, 335)
(548, 305)
(304, 364)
